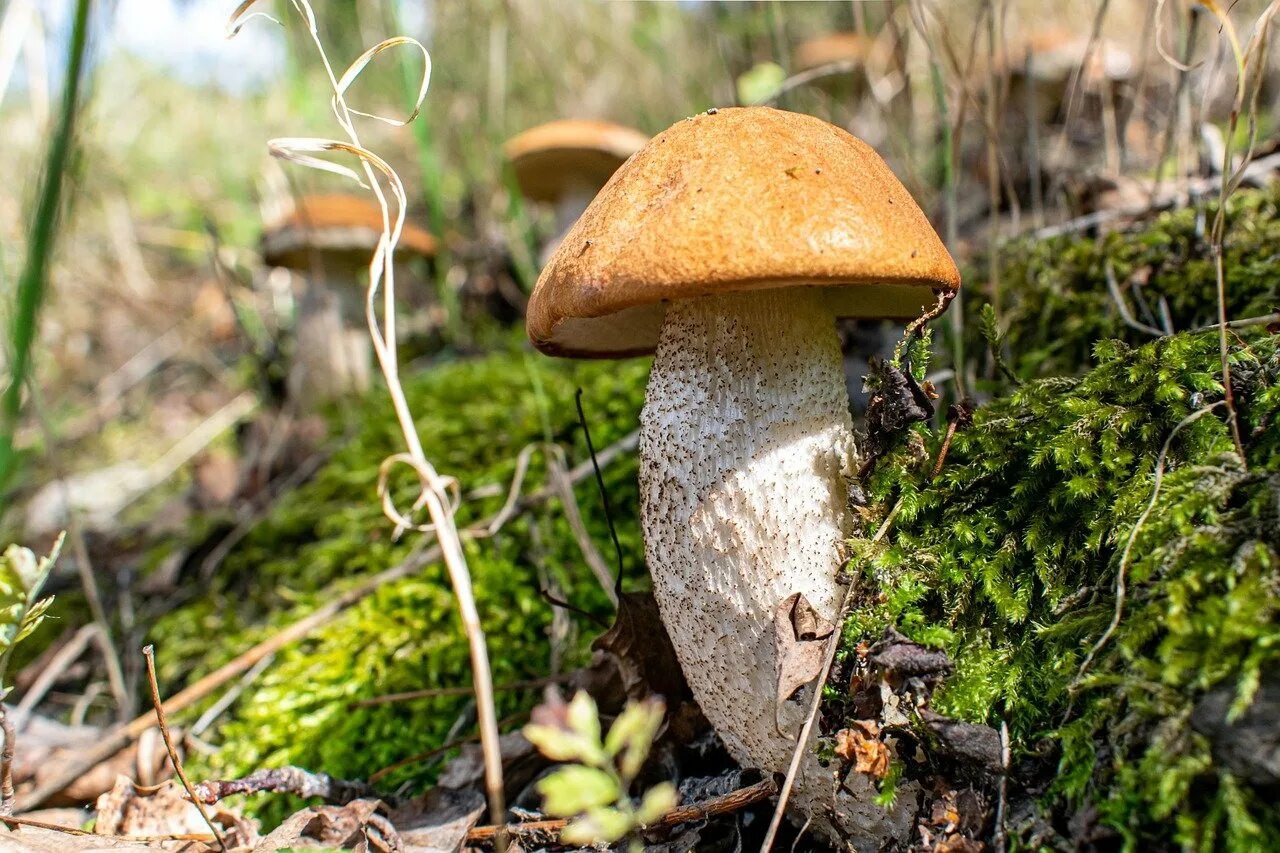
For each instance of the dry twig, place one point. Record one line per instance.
(148, 652)
(714, 807)
(282, 780)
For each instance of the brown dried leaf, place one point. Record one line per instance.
(860, 745)
(959, 844)
(897, 655)
(30, 839)
(800, 634)
(124, 810)
(165, 810)
(360, 824)
(438, 821)
(640, 648)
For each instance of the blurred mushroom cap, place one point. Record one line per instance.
(735, 200)
(335, 231)
(1052, 56)
(552, 158)
(830, 48)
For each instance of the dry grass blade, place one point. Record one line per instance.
(349, 76)
(1123, 570)
(434, 493)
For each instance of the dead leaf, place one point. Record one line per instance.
(959, 844)
(438, 821)
(360, 825)
(165, 810)
(897, 655)
(640, 648)
(800, 633)
(897, 401)
(30, 839)
(969, 743)
(860, 745)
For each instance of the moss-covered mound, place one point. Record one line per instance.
(474, 418)
(1011, 561)
(1055, 299)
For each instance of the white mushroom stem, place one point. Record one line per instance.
(576, 198)
(745, 444)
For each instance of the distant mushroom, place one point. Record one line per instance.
(565, 163)
(831, 49)
(731, 243)
(1045, 62)
(330, 240)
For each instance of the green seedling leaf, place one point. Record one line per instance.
(33, 619)
(558, 744)
(584, 718)
(639, 721)
(632, 735)
(598, 826)
(656, 802)
(576, 789)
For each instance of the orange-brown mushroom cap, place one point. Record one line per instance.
(733, 200)
(831, 48)
(552, 157)
(338, 230)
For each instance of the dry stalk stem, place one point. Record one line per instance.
(11, 822)
(829, 655)
(149, 653)
(1121, 587)
(6, 763)
(435, 489)
(714, 807)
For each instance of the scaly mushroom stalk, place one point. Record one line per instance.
(745, 442)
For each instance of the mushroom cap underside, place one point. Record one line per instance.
(735, 200)
(553, 158)
(336, 230)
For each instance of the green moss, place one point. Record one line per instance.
(474, 417)
(1009, 561)
(1056, 303)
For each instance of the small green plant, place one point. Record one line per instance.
(593, 787)
(22, 575)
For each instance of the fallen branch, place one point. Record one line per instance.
(714, 807)
(464, 690)
(12, 822)
(283, 780)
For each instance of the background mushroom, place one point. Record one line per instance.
(565, 163)
(330, 239)
(731, 243)
(845, 49)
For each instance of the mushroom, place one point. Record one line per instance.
(331, 239)
(565, 163)
(731, 243)
(835, 48)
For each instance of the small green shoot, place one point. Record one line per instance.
(22, 575)
(593, 786)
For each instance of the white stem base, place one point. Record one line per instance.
(745, 444)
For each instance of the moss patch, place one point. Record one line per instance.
(474, 418)
(1057, 305)
(1009, 561)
